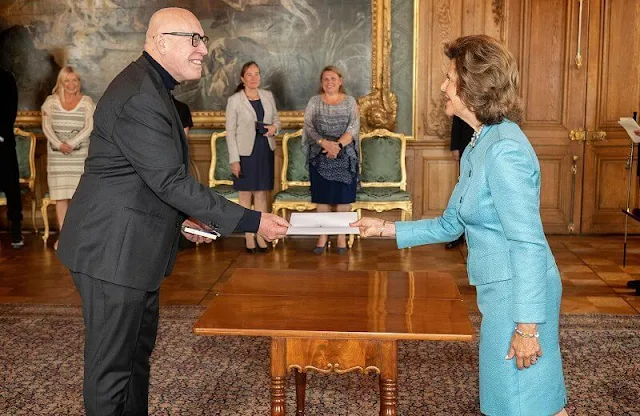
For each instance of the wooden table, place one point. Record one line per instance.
(336, 321)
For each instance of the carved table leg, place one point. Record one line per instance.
(301, 387)
(388, 378)
(278, 376)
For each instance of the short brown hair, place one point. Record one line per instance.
(488, 78)
(332, 68)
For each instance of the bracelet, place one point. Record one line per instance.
(320, 142)
(384, 223)
(526, 334)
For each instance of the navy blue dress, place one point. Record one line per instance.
(256, 170)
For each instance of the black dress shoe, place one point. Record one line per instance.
(454, 243)
(633, 284)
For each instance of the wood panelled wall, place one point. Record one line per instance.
(571, 109)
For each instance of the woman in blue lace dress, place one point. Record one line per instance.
(331, 131)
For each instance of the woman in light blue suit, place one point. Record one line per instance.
(496, 204)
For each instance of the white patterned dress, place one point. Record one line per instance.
(72, 127)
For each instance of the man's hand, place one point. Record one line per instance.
(66, 148)
(637, 132)
(272, 227)
(235, 169)
(193, 223)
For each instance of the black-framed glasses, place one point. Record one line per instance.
(195, 37)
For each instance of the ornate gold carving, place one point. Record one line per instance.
(437, 123)
(28, 119)
(335, 368)
(378, 109)
(497, 7)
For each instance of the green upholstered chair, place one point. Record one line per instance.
(383, 174)
(295, 193)
(26, 151)
(220, 176)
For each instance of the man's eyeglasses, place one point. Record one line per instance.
(195, 37)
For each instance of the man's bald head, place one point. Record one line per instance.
(176, 53)
(171, 19)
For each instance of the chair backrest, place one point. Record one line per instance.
(219, 169)
(295, 170)
(26, 150)
(382, 159)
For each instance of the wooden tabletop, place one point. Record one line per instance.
(338, 304)
(388, 284)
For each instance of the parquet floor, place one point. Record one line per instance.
(591, 266)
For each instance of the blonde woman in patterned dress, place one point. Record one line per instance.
(67, 121)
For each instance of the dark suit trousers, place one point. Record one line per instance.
(10, 185)
(121, 324)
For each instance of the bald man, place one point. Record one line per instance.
(120, 235)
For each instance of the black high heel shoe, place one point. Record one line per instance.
(250, 250)
(320, 249)
(263, 249)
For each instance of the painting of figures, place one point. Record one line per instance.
(291, 40)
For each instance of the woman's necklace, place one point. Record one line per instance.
(476, 134)
(254, 95)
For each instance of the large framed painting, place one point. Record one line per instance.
(291, 40)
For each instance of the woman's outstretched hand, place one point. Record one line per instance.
(374, 227)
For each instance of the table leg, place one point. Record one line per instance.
(278, 376)
(301, 387)
(388, 378)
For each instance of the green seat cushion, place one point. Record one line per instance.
(381, 159)
(297, 168)
(226, 191)
(382, 195)
(222, 170)
(23, 145)
(295, 193)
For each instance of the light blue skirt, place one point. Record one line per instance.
(504, 390)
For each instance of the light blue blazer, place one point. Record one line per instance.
(496, 204)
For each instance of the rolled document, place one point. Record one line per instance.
(316, 223)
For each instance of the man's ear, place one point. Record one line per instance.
(161, 44)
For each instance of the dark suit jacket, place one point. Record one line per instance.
(124, 221)
(461, 134)
(8, 107)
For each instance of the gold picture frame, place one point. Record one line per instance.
(378, 109)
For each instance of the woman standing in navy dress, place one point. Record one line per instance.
(252, 124)
(331, 131)
(496, 204)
